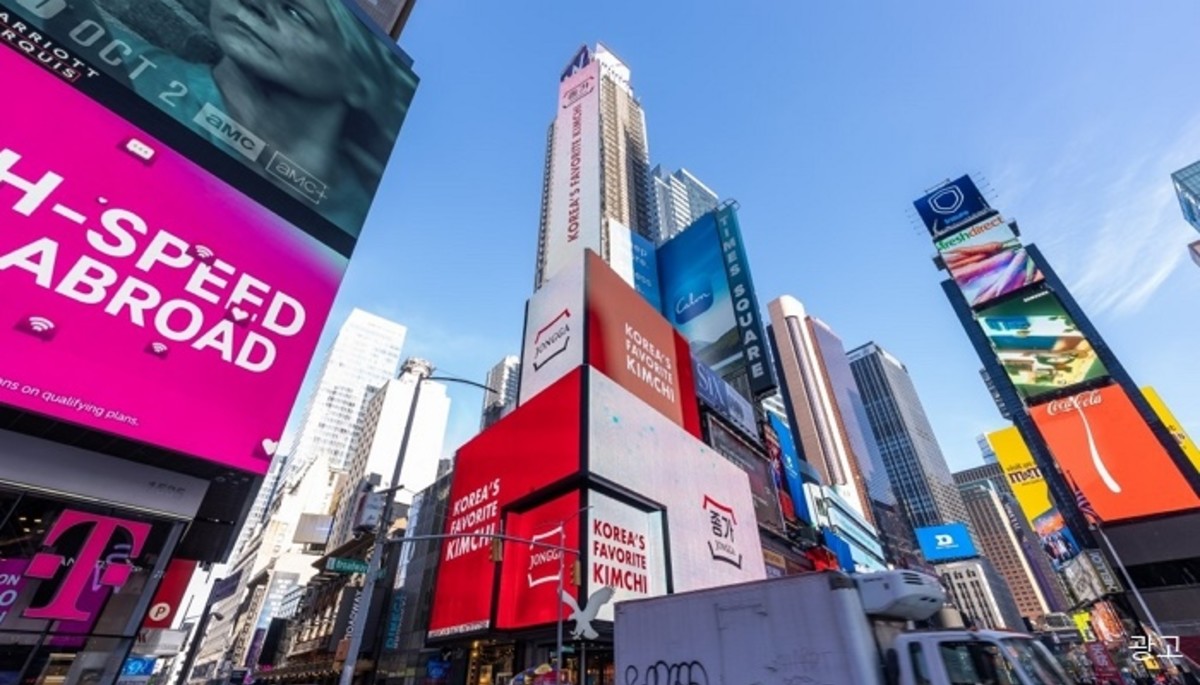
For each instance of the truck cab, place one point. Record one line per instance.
(971, 657)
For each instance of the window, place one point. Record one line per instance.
(916, 657)
(976, 663)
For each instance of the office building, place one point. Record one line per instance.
(503, 382)
(680, 198)
(985, 450)
(596, 191)
(998, 542)
(911, 455)
(1187, 188)
(980, 594)
(375, 458)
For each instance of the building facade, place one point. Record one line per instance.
(504, 383)
(1187, 189)
(911, 455)
(980, 594)
(680, 198)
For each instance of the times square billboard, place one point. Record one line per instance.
(184, 320)
(297, 104)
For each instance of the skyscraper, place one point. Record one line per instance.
(596, 191)
(985, 449)
(504, 378)
(979, 592)
(911, 455)
(680, 198)
(1187, 188)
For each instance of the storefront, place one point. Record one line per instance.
(84, 541)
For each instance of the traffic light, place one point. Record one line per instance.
(576, 573)
(497, 551)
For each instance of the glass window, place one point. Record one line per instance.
(1035, 661)
(916, 657)
(976, 662)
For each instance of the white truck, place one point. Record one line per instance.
(824, 628)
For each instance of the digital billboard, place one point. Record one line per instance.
(1101, 443)
(720, 396)
(762, 479)
(635, 260)
(791, 464)
(949, 541)
(304, 96)
(708, 296)
(529, 573)
(531, 448)
(950, 204)
(1039, 345)
(624, 551)
(143, 297)
(987, 260)
(1173, 426)
(554, 345)
(712, 539)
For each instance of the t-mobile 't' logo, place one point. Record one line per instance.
(64, 605)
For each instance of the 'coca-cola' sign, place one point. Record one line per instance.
(1083, 400)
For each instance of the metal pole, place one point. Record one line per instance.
(422, 370)
(194, 647)
(558, 602)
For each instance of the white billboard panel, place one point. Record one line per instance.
(624, 551)
(709, 509)
(554, 340)
(574, 216)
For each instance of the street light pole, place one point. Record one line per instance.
(558, 601)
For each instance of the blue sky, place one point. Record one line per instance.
(824, 121)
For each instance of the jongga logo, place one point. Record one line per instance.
(552, 340)
(722, 546)
(46, 565)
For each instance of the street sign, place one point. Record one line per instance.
(343, 565)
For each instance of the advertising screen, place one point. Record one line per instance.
(1105, 448)
(304, 96)
(762, 480)
(778, 475)
(635, 260)
(791, 465)
(142, 296)
(624, 552)
(709, 509)
(1039, 345)
(529, 579)
(720, 396)
(534, 446)
(949, 541)
(950, 204)
(554, 344)
(987, 260)
(1176, 429)
(708, 296)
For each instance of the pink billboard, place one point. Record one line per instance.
(139, 295)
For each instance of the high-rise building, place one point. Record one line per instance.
(911, 455)
(390, 15)
(979, 592)
(985, 450)
(596, 191)
(680, 198)
(373, 463)
(504, 383)
(1187, 188)
(998, 542)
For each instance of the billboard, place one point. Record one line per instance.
(720, 396)
(710, 512)
(1039, 345)
(791, 464)
(762, 478)
(143, 297)
(554, 344)
(1101, 443)
(708, 296)
(574, 215)
(949, 541)
(987, 260)
(1173, 426)
(296, 102)
(529, 574)
(533, 447)
(624, 551)
(634, 259)
(1033, 496)
(950, 204)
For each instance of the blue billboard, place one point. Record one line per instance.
(720, 396)
(950, 204)
(790, 457)
(708, 296)
(645, 269)
(949, 541)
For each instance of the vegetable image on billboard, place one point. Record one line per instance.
(142, 296)
(1039, 345)
(1105, 448)
(710, 520)
(987, 260)
(309, 100)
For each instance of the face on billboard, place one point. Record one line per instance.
(143, 297)
(536, 445)
(709, 509)
(987, 260)
(950, 204)
(301, 92)
(1039, 345)
(1102, 444)
(529, 574)
(762, 480)
(951, 541)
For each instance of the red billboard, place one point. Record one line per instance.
(529, 576)
(533, 447)
(1102, 444)
(169, 593)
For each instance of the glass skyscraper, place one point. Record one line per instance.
(914, 462)
(1187, 187)
(680, 199)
